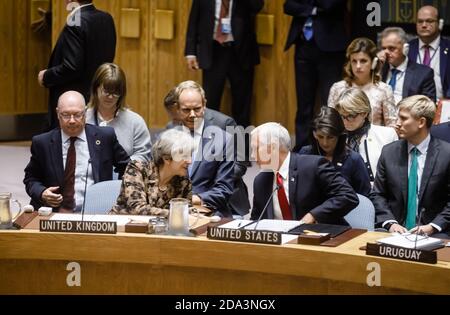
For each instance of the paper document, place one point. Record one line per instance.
(408, 240)
(236, 224)
(283, 226)
(120, 219)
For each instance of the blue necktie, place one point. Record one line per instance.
(393, 79)
(412, 191)
(307, 29)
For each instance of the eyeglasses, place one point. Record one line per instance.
(349, 117)
(429, 21)
(109, 94)
(68, 117)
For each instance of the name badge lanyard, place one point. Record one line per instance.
(431, 58)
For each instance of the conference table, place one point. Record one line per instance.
(33, 262)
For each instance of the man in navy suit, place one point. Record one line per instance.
(431, 49)
(79, 51)
(412, 185)
(96, 152)
(221, 40)
(303, 187)
(405, 76)
(212, 168)
(441, 131)
(318, 33)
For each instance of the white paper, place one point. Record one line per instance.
(235, 224)
(445, 113)
(408, 240)
(120, 219)
(287, 237)
(283, 226)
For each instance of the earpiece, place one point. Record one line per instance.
(374, 63)
(405, 49)
(441, 24)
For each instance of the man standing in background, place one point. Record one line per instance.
(221, 40)
(87, 41)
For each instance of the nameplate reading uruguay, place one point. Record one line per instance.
(389, 251)
(100, 227)
(252, 236)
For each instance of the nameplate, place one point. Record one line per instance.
(251, 236)
(410, 254)
(100, 227)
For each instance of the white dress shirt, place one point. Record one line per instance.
(217, 15)
(82, 158)
(398, 91)
(284, 172)
(435, 62)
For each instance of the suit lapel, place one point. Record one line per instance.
(292, 185)
(94, 145)
(407, 81)
(267, 191)
(430, 161)
(414, 50)
(56, 156)
(403, 171)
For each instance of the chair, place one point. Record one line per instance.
(101, 196)
(363, 216)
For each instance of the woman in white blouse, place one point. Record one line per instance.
(361, 71)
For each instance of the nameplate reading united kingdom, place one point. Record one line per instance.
(251, 236)
(411, 254)
(97, 227)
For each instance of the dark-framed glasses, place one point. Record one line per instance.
(67, 116)
(350, 117)
(106, 93)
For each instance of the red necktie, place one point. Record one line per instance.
(224, 10)
(68, 203)
(282, 199)
(426, 56)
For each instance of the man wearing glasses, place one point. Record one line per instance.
(431, 49)
(66, 160)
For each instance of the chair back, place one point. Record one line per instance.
(363, 216)
(102, 196)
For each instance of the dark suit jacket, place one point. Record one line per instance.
(314, 186)
(328, 24)
(199, 36)
(238, 202)
(419, 79)
(352, 168)
(390, 191)
(79, 51)
(46, 169)
(444, 64)
(441, 131)
(212, 173)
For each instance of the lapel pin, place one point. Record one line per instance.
(292, 179)
(97, 142)
(446, 50)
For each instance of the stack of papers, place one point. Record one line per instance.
(283, 226)
(408, 240)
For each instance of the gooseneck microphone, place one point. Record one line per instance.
(266, 206)
(85, 189)
(422, 210)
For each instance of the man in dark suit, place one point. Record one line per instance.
(318, 32)
(441, 131)
(238, 202)
(221, 40)
(306, 187)
(431, 49)
(87, 41)
(405, 76)
(212, 168)
(412, 185)
(91, 151)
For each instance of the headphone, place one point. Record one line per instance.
(374, 63)
(441, 24)
(405, 49)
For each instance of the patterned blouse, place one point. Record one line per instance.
(384, 111)
(140, 193)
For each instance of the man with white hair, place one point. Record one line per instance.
(405, 76)
(303, 187)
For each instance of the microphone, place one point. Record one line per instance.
(266, 206)
(85, 189)
(422, 210)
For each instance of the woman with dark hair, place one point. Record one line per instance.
(329, 140)
(108, 107)
(361, 70)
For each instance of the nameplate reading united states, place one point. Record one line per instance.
(251, 236)
(100, 227)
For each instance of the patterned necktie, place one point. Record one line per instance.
(308, 29)
(68, 203)
(282, 199)
(412, 191)
(224, 12)
(426, 56)
(393, 79)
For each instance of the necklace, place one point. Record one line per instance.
(162, 188)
